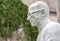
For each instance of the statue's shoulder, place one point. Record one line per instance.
(52, 26)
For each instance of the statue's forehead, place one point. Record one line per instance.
(35, 8)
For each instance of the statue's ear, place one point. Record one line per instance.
(43, 11)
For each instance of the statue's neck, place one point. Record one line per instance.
(43, 23)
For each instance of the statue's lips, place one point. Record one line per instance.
(32, 23)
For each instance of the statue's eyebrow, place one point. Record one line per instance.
(36, 11)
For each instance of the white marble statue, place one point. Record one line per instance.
(38, 15)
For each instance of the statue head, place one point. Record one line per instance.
(37, 12)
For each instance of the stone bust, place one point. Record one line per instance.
(38, 15)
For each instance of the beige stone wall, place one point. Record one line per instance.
(52, 5)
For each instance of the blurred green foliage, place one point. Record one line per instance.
(31, 32)
(12, 14)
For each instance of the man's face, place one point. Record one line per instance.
(34, 17)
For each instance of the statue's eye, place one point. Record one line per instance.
(33, 12)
